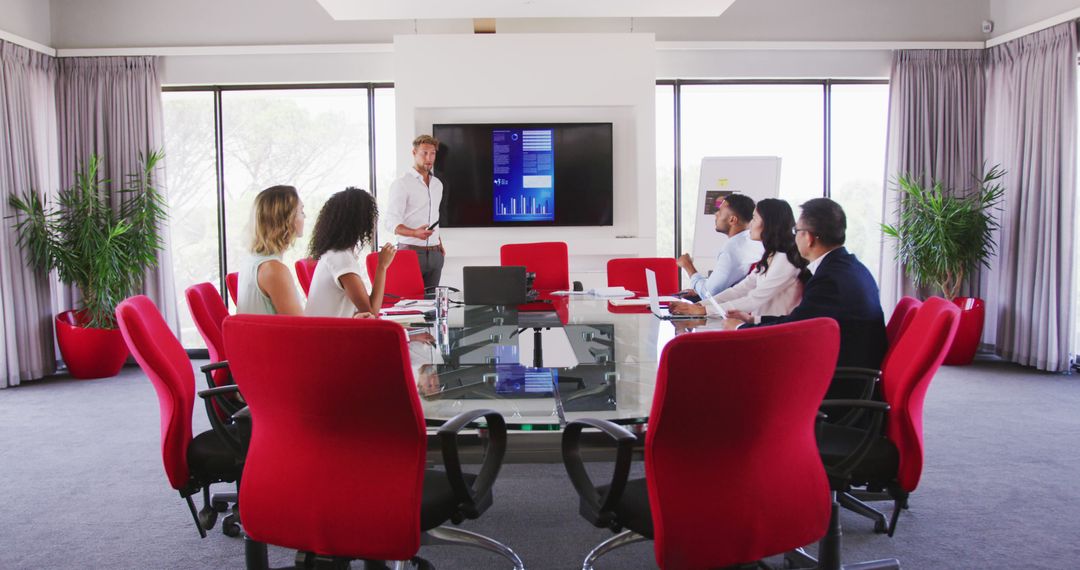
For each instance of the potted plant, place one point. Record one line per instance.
(942, 238)
(102, 250)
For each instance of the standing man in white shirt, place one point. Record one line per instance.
(734, 259)
(414, 208)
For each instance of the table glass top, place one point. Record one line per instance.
(573, 358)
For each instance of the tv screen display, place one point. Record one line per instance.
(525, 174)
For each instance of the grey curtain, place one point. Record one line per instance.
(1031, 131)
(936, 110)
(28, 151)
(111, 106)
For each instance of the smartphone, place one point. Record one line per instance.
(432, 226)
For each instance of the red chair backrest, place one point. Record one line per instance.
(338, 443)
(305, 268)
(906, 376)
(208, 311)
(741, 401)
(232, 283)
(550, 261)
(629, 273)
(165, 362)
(403, 277)
(901, 318)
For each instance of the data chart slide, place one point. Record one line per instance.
(523, 165)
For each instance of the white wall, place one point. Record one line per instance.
(1010, 15)
(557, 78)
(27, 18)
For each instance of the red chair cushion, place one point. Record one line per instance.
(336, 460)
(550, 261)
(731, 458)
(403, 277)
(305, 268)
(630, 274)
(906, 377)
(165, 362)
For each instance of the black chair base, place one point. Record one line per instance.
(206, 517)
(855, 501)
(829, 551)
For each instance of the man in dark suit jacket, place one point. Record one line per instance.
(841, 286)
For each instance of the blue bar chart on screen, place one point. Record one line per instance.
(524, 175)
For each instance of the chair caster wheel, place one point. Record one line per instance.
(207, 518)
(230, 526)
(880, 528)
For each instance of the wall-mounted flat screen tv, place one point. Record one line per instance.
(525, 174)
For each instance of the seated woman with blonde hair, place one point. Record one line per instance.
(339, 287)
(265, 286)
(774, 287)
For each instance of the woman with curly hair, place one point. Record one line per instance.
(265, 286)
(774, 287)
(338, 286)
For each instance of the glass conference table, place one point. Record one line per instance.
(541, 368)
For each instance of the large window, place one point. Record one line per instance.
(665, 170)
(224, 145)
(829, 135)
(860, 117)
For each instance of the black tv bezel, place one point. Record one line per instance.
(443, 214)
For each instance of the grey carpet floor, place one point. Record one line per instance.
(82, 486)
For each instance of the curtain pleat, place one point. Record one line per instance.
(1031, 130)
(28, 158)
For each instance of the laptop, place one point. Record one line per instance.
(654, 301)
(497, 285)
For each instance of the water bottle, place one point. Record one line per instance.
(442, 303)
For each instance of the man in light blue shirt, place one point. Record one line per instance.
(735, 258)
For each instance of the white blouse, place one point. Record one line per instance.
(776, 292)
(326, 296)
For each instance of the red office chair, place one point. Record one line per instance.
(550, 261)
(191, 463)
(305, 268)
(232, 283)
(732, 473)
(403, 277)
(630, 273)
(891, 459)
(209, 312)
(334, 407)
(863, 383)
(901, 318)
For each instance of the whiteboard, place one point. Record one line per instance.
(755, 176)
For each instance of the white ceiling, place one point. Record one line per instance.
(444, 9)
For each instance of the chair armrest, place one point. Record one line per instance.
(208, 371)
(601, 508)
(218, 391)
(857, 371)
(471, 501)
(235, 442)
(843, 468)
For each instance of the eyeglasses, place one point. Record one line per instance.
(795, 231)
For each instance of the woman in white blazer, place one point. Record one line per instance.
(774, 286)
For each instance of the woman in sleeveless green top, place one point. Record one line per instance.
(265, 285)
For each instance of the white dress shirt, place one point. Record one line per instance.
(776, 292)
(414, 204)
(732, 264)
